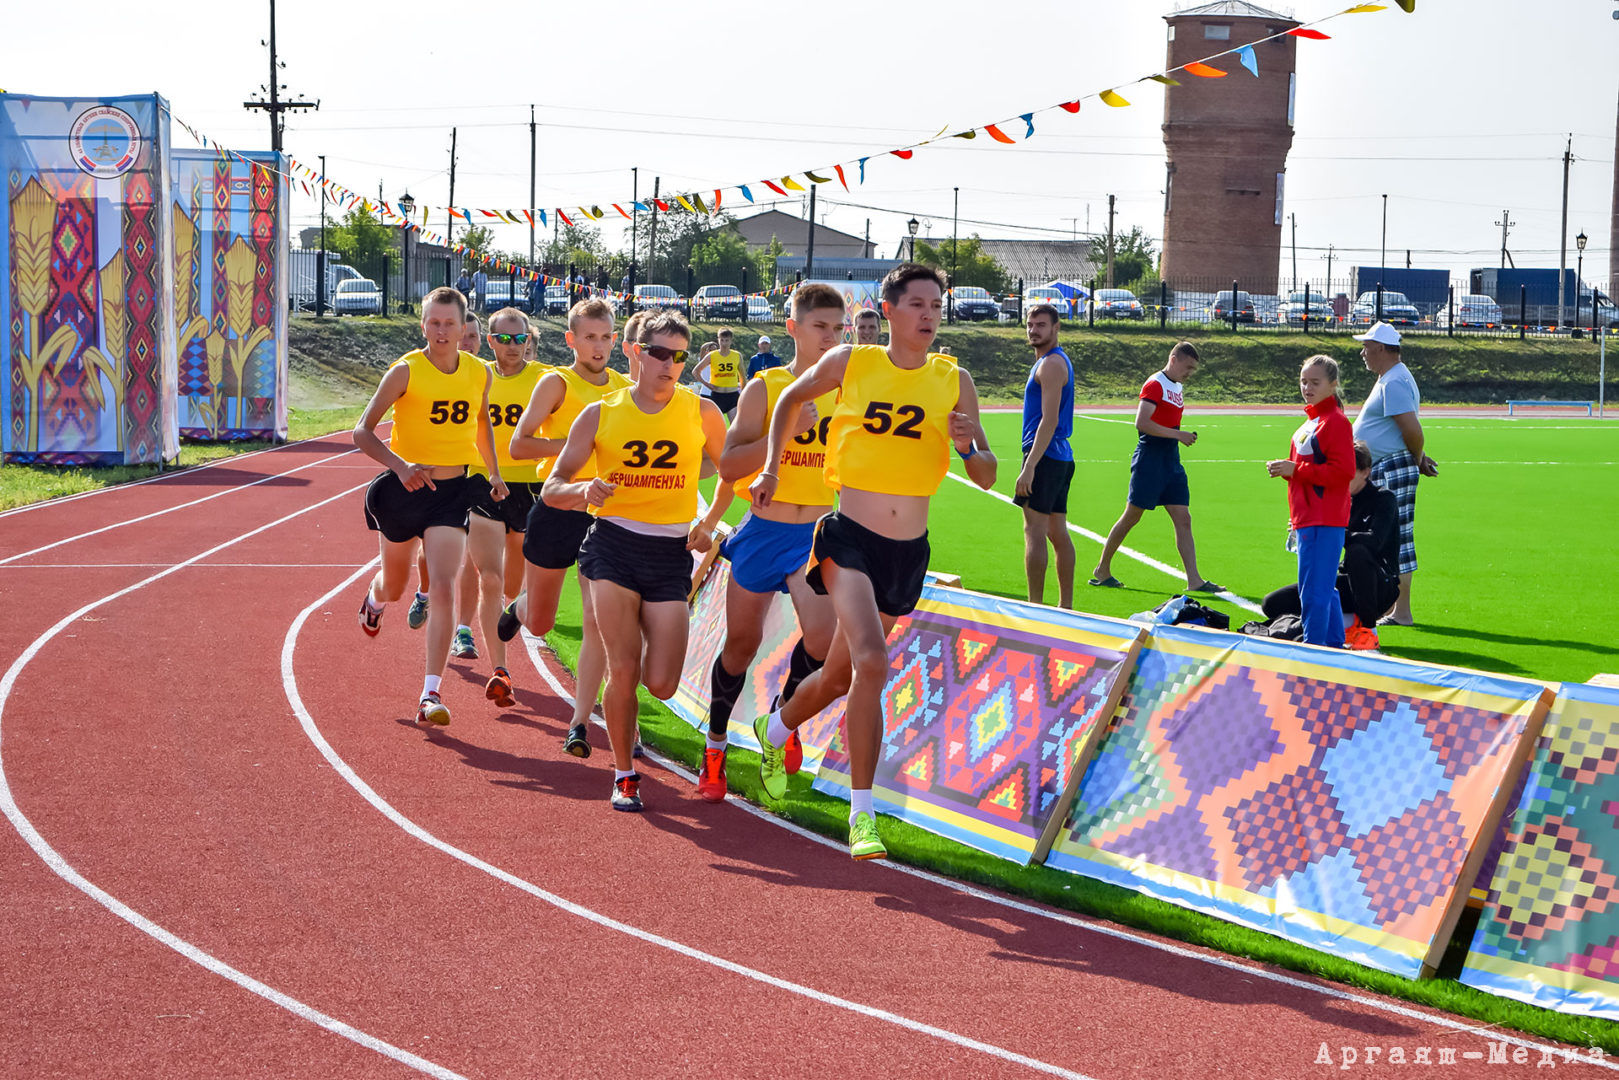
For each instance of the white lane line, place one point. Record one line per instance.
(172, 509)
(60, 866)
(186, 470)
(1147, 560)
(1228, 963)
(289, 683)
(204, 566)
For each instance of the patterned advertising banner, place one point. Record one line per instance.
(1549, 934)
(86, 297)
(1341, 801)
(230, 294)
(991, 710)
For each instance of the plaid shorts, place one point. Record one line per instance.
(1399, 474)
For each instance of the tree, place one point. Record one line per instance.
(361, 240)
(972, 265)
(479, 241)
(719, 257)
(1133, 256)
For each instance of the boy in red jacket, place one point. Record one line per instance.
(1319, 466)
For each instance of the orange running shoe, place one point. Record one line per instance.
(711, 783)
(499, 689)
(1360, 637)
(793, 753)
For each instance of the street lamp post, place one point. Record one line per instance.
(408, 205)
(1579, 274)
(912, 225)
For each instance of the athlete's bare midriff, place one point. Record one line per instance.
(789, 513)
(446, 472)
(898, 517)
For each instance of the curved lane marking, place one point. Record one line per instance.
(290, 685)
(60, 866)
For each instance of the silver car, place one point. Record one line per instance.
(357, 296)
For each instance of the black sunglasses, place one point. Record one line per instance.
(663, 352)
(509, 339)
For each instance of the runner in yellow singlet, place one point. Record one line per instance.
(495, 529)
(721, 372)
(769, 549)
(551, 544)
(649, 442)
(900, 411)
(440, 401)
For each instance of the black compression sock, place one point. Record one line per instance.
(724, 688)
(800, 666)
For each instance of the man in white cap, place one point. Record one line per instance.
(1389, 426)
(763, 360)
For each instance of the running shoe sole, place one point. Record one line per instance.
(370, 622)
(578, 742)
(499, 690)
(433, 714)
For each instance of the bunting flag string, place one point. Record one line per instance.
(313, 183)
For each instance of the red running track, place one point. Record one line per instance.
(230, 853)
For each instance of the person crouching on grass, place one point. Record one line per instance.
(1319, 467)
(648, 441)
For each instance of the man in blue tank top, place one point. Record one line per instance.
(1048, 460)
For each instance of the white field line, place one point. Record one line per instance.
(1145, 560)
(172, 509)
(290, 685)
(60, 866)
(1120, 933)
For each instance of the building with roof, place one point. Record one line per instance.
(1227, 141)
(794, 233)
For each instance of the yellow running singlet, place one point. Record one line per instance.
(725, 370)
(578, 394)
(801, 473)
(508, 394)
(436, 418)
(891, 429)
(654, 458)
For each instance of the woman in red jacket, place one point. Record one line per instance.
(1319, 467)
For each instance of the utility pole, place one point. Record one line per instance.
(1328, 257)
(865, 252)
(320, 259)
(1073, 227)
(1562, 234)
(533, 172)
(449, 213)
(1383, 255)
(652, 244)
(275, 106)
(635, 219)
(1294, 219)
(1505, 223)
(809, 255)
(1110, 201)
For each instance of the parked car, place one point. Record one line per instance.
(303, 277)
(1319, 310)
(1048, 294)
(657, 296)
(357, 296)
(1472, 310)
(719, 302)
(972, 303)
(1225, 308)
(1118, 304)
(499, 295)
(1396, 309)
(759, 310)
(556, 300)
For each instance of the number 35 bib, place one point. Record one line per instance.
(436, 418)
(653, 458)
(890, 432)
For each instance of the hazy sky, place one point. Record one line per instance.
(1456, 112)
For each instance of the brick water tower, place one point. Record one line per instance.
(1227, 141)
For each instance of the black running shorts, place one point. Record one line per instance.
(401, 515)
(896, 568)
(1049, 493)
(658, 568)
(512, 511)
(553, 536)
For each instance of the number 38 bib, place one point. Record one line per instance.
(653, 458)
(890, 432)
(436, 418)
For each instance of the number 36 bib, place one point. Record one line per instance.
(890, 432)
(653, 458)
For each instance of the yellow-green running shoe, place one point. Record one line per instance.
(864, 843)
(772, 766)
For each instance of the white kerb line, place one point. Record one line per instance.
(289, 684)
(1146, 560)
(60, 866)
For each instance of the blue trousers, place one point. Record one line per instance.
(1320, 549)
